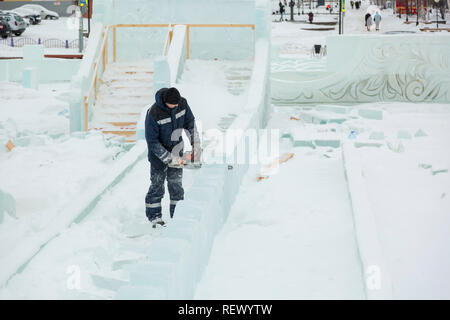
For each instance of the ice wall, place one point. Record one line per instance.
(47, 70)
(363, 68)
(206, 43)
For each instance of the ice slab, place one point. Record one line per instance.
(30, 78)
(396, 146)
(425, 166)
(322, 117)
(376, 135)
(139, 293)
(435, 172)
(404, 134)
(360, 144)
(335, 109)
(107, 283)
(420, 133)
(371, 114)
(327, 143)
(7, 204)
(154, 274)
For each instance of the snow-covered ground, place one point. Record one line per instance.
(290, 236)
(98, 249)
(408, 184)
(48, 168)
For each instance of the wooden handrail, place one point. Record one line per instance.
(50, 56)
(157, 25)
(228, 25)
(94, 81)
(199, 25)
(168, 40)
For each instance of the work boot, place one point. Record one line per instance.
(158, 222)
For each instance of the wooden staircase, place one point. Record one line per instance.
(125, 90)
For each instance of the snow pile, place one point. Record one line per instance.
(25, 112)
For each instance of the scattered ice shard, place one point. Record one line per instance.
(420, 133)
(371, 114)
(377, 135)
(404, 134)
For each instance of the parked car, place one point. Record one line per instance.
(44, 12)
(5, 31)
(33, 16)
(16, 24)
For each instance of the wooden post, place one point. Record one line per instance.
(95, 86)
(104, 54)
(86, 115)
(187, 42)
(115, 44)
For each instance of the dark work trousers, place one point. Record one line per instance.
(156, 191)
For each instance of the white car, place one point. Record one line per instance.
(31, 15)
(45, 13)
(15, 22)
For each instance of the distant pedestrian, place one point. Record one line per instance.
(352, 3)
(281, 10)
(366, 17)
(369, 21)
(377, 20)
(311, 17)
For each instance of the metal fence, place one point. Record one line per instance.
(47, 43)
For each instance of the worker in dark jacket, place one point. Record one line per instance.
(169, 116)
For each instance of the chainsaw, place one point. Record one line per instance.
(188, 161)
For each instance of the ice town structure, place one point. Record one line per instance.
(139, 46)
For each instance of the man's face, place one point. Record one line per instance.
(171, 106)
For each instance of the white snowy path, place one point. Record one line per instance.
(96, 246)
(288, 237)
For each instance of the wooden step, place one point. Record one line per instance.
(123, 124)
(118, 114)
(120, 132)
